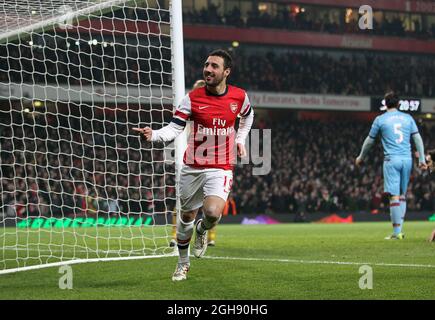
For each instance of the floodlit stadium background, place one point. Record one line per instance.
(314, 78)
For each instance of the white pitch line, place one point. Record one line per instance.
(172, 254)
(323, 262)
(71, 251)
(77, 261)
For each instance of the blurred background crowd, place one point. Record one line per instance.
(307, 18)
(84, 168)
(82, 158)
(255, 68)
(313, 171)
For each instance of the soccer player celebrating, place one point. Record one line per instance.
(198, 84)
(396, 129)
(206, 176)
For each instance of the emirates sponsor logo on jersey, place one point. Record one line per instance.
(214, 131)
(233, 106)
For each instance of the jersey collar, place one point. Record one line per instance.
(216, 95)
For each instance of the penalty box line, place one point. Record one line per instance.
(294, 261)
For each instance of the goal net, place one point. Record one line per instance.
(77, 183)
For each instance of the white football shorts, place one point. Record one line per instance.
(196, 184)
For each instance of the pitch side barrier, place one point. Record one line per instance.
(81, 222)
(141, 221)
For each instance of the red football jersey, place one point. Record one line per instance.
(212, 118)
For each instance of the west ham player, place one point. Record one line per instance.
(396, 129)
(206, 176)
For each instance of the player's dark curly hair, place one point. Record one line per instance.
(391, 99)
(228, 60)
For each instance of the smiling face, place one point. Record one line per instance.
(214, 71)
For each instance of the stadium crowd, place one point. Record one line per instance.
(270, 69)
(305, 20)
(323, 72)
(313, 171)
(65, 166)
(55, 60)
(286, 17)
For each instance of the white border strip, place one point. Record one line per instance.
(77, 261)
(323, 262)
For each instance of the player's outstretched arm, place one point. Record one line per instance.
(368, 143)
(167, 133)
(174, 128)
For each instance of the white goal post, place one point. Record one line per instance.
(77, 183)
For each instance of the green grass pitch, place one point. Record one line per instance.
(285, 261)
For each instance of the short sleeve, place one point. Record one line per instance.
(246, 107)
(374, 129)
(414, 128)
(182, 111)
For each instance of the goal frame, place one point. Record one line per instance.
(178, 92)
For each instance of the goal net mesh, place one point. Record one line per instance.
(76, 76)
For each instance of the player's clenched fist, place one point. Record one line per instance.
(147, 132)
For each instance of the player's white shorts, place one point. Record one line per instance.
(196, 184)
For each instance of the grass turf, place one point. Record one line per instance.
(290, 261)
